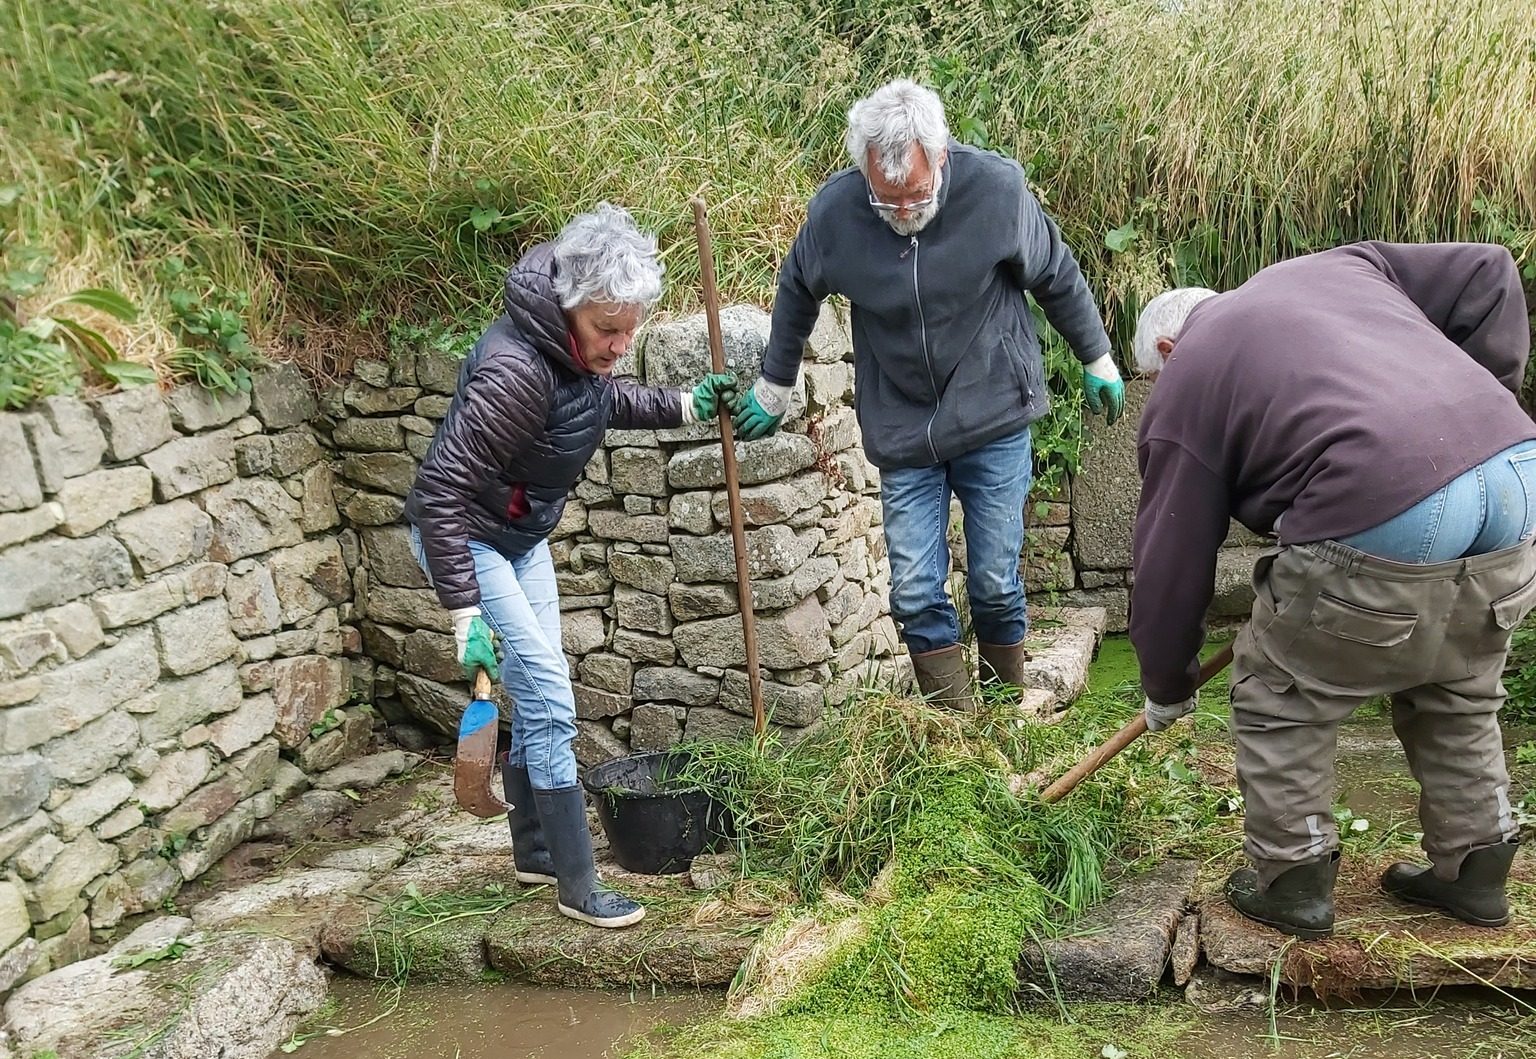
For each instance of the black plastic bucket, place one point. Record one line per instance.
(655, 824)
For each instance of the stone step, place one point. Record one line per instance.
(1118, 951)
(1062, 642)
(686, 938)
(1380, 943)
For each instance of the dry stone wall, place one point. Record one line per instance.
(174, 614)
(646, 568)
(1088, 547)
(201, 596)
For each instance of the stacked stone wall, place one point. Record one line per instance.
(174, 615)
(651, 620)
(208, 605)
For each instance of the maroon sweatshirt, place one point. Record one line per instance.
(1337, 390)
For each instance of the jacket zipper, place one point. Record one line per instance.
(922, 327)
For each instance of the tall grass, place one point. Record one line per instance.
(1233, 133)
(388, 156)
(360, 165)
(391, 156)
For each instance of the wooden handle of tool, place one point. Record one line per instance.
(1126, 736)
(732, 479)
(482, 685)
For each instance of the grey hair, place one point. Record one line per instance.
(603, 256)
(890, 120)
(1163, 316)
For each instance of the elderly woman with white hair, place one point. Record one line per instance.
(1361, 405)
(533, 400)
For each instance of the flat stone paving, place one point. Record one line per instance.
(1380, 943)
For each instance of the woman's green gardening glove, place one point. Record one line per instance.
(759, 412)
(1102, 389)
(705, 400)
(475, 642)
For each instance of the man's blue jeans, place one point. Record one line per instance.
(1486, 509)
(992, 483)
(520, 602)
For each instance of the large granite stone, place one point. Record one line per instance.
(134, 421)
(1118, 951)
(165, 535)
(250, 515)
(251, 992)
(1106, 489)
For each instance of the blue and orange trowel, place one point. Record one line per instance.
(474, 765)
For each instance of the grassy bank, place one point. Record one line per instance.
(344, 170)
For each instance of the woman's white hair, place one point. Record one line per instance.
(890, 120)
(603, 256)
(1163, 316)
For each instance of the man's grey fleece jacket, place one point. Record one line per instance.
(945, 353)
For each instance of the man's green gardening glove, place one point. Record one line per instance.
(1102, 389)
(705, 399)
(476, 644)
(759, 411)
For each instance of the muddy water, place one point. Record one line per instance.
(1459, 1023)
(507, 1021)
(495, 1021)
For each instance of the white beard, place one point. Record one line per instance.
(921, 219)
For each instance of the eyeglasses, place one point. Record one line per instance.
(896, 207)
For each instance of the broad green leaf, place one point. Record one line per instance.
(107, 301)
(88, 342)
(1120, 239)
(129, 373)
(483, 217)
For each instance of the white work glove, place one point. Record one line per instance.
(474, 644)
(1103, 390)
(1160, 715)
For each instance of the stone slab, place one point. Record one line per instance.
(1118, 951)
(248, 994)
(532, 942)
(1106, 489)
(1061, 644)
(1380, 943)
(294, 906)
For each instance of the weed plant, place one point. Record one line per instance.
(912, 813)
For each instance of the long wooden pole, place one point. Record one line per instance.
(732, 481)
(1125, 736)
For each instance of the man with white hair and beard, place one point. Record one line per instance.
(1359, 404)
(935, 245)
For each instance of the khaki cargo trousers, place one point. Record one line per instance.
(1333, 627)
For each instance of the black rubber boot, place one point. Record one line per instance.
(944, 677)
(531, 861)
(563, 813)
(1477, 895)
(1002, 663)
(1298, 902)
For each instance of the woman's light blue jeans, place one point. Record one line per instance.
(1486, 509)
(992, 483)
(520, 603)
